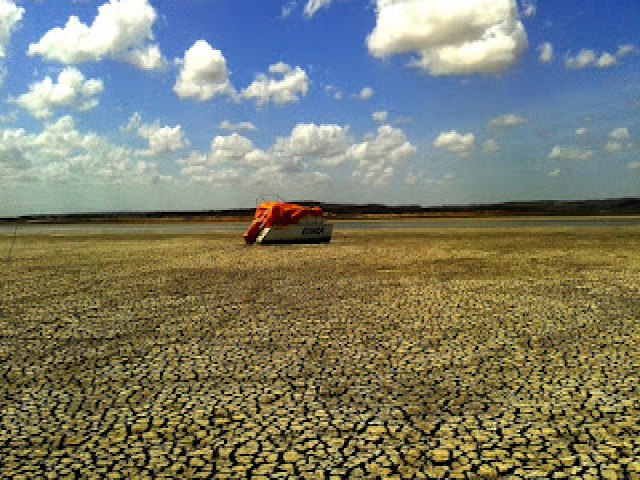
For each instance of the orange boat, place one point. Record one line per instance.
(281, 222)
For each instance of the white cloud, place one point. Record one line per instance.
(203, 73)
(334, 91)
(148, 58)
(230, 149)
(233, 160)
(569, 153)
(293, 82)
(13, 156)
(582, 131)
(313, 6)
(620, 133)
(618, 140)
(457, 37)
(546, 52)
(293, 159)
(366, 93)
(379, 154)
(162, 139)
(71, 90)
(554, 173)
(613, 146)
(634, 165)
(227, 160)
(529, 8)
(10, 15)
(380, 117)
(60, 152)
(626, 49)
(588, 58)
(227, 125)
(462, 144)
(326, 144)
(606, 60)
(584, 58)
(490, 146)
(135, 120)
(506, 120)
(122, 30)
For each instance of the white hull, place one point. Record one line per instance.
(297, 233)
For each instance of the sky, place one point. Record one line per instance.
(126, 105)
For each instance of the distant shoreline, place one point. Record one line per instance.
(622, 207)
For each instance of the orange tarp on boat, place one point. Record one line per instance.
(269, 214)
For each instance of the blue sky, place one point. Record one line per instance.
(205, 104)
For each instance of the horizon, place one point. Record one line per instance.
(323, 203)
(138, 105)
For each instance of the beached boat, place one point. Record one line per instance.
(281, 222)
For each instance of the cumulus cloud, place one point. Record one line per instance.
(626, 49)
(546, 52)
(326, 144)
(457, 37)
(613, 146)
(380, 117)
(227, 125)
(634, 165)
(162, 139)
(10, 15)
(584, 58)
(60, 152)
(146, 58)
(554, 173)
(618, 140)
(203, 73)
(334, 91)
(295, 158)
(589, 58)
(122, 29)
(312, 6)
(232, 149)
(620, 133)
(581, 131)
(13, 155)
(71, 90)
(606, 60)
(569, 153)
(292, 83)
(379, 154)
(233, 160)
(462, 144)
(490, 146)
(506, 120)
(366, 93)
(226, 161)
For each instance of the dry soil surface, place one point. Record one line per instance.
(475, 353)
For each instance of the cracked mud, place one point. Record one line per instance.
(412, 354)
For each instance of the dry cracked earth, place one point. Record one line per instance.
(463, 354)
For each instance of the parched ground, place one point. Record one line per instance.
(475, 353)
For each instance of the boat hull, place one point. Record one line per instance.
(296, 234)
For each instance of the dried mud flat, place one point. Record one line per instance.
(412, 354)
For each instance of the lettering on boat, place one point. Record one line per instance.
(312, 230)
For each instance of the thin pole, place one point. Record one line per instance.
(13, 242)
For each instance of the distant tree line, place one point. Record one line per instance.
(614, 206)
